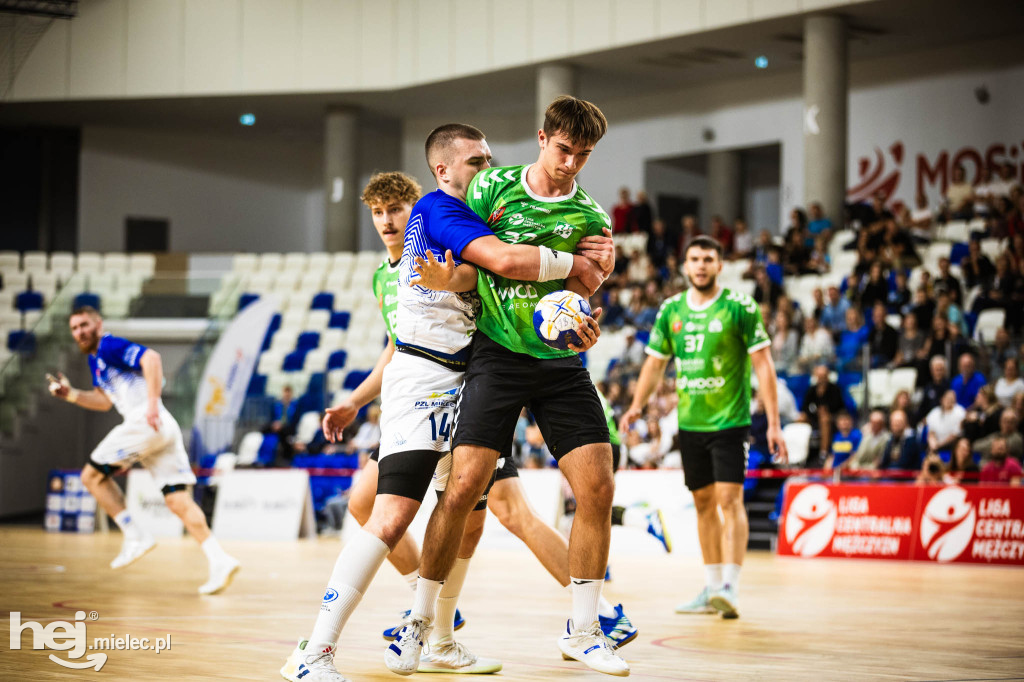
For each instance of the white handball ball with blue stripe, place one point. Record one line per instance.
(556, 317)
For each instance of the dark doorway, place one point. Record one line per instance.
(672, 208)
(149, 235)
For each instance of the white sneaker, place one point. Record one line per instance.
(453, 657)
(311, 666)
(221, 574)
(591, 647)
(726, 601)
(699, 604)
(403, 655)
(132, 551)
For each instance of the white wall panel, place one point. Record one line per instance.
(213, 46)
(552, 29)
(270, 45)
(407, 40)
(330, 57)
(434, 54)
(591, 24)
(44, 74)
(378, 43)
(155, 48)
(633, 21)
(677, 17)
(98, 49)
(473, 45)
(725, 12)
(510, 32)
(764, 9)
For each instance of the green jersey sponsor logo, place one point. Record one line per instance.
(517, 216)
(385, 290)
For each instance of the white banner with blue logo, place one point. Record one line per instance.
(226, 378)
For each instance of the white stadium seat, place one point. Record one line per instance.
(797, 437)
(115, 262)
(270, 262)
(142, 263)
(34, 261)
(89, 261)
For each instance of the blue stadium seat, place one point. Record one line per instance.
(310, 401)
(798, 385)
(268, 449)
(294, 361)
(316, 383)
(246, 299)
(207, 461)
(354, 378)
(275, 324)
(257, 385)
(339, 320)
(21, 341)
(307, 341)
(87, 298)
(643, 336)
(959, 252)
(337, 360)
(29, 300)
(323, 301)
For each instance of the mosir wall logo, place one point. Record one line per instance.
(811, 521)
(947, 524)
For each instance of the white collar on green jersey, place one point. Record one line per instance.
(547, 200)
(707, 305)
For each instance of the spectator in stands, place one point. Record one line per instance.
(819, 303)
(845, 442)
(1002, 468)
(932, 471)
(690, 230)
(818, 224)
(946, 309)
(1005, 184)
(721, 232)
(968, 382)
(367, 438)
(959, 195)
(874, 438)
(614, 314)
(959, 344)
(797, 225)
(921, 219)
(822, 404)
(816, 347)
(283, 412)
(947, 282)
(961, 462)
(923, 308)
(938, 341)
(982, 418)
(877, 212)
(762, 248)
(1002, 350)
(1010, 384)
(899, 297)
(658, 244)
(622, 213)
(945, 423)
(1004, 290)
(982, 192)
(977, 269)
(765, 290)
(742, 240)
(1007, 432)
(873, 288)
(851, 341)
(902, 401)
(833, 316)
(642, 214)
(902, 450)
(673, 276)
(785, 305)
(797, 256)
(911, 350)
(785, 345)
(818, 259)
(883, 340)
(934, 387)
(897, 248)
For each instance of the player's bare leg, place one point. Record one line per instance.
(735, 533)
(223, 566)
(405, 556)
(107, 493)
(137, 542)
(709, 532)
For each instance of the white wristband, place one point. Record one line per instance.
(554, 264)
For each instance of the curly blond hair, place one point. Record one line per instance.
(387, 188)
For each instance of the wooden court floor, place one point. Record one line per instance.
(801, 619)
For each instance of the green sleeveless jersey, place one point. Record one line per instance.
(385, 290)
(609, 415)
(518, 216)
(712, 347)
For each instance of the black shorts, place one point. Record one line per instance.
(507, 470)
(500, 382)
(714, 456)
(407, 474)
(375, 455)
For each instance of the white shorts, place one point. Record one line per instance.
(161, 453)
(418, 399)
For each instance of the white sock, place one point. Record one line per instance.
(447, 602)
(214, 552)
(604, 607)
(427, 592)
(585, 596)
(410, 579)
(731, 575)
(635, 517)
(713, 576)
(131, 530)
(357, 563)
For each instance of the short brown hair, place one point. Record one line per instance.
(581, 121)
(85, 310)
(389, 187)
(704, 242)
(440, 140)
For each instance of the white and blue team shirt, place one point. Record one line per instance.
(439, 323)
(116, 371)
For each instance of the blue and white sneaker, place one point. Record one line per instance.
(618, 629)
(656, 527)
(726, 602)
(391, 633)
(590, 647)
(402, 656)
(311, 666)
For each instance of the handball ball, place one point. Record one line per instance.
(556, 317)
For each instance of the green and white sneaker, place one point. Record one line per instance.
(725, 601)
(699, 604)
(453, 657)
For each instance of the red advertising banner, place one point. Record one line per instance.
(970, 524)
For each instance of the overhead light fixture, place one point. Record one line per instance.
(247, 119)
(761, 62)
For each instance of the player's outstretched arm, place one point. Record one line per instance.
(443, 275)
(768, 390)
(95, 400)
(650, 376)
(338, 417)
(531, 263)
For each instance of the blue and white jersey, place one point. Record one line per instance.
(440, 322)
(116, 371)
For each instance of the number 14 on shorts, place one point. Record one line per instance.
(440, 431)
